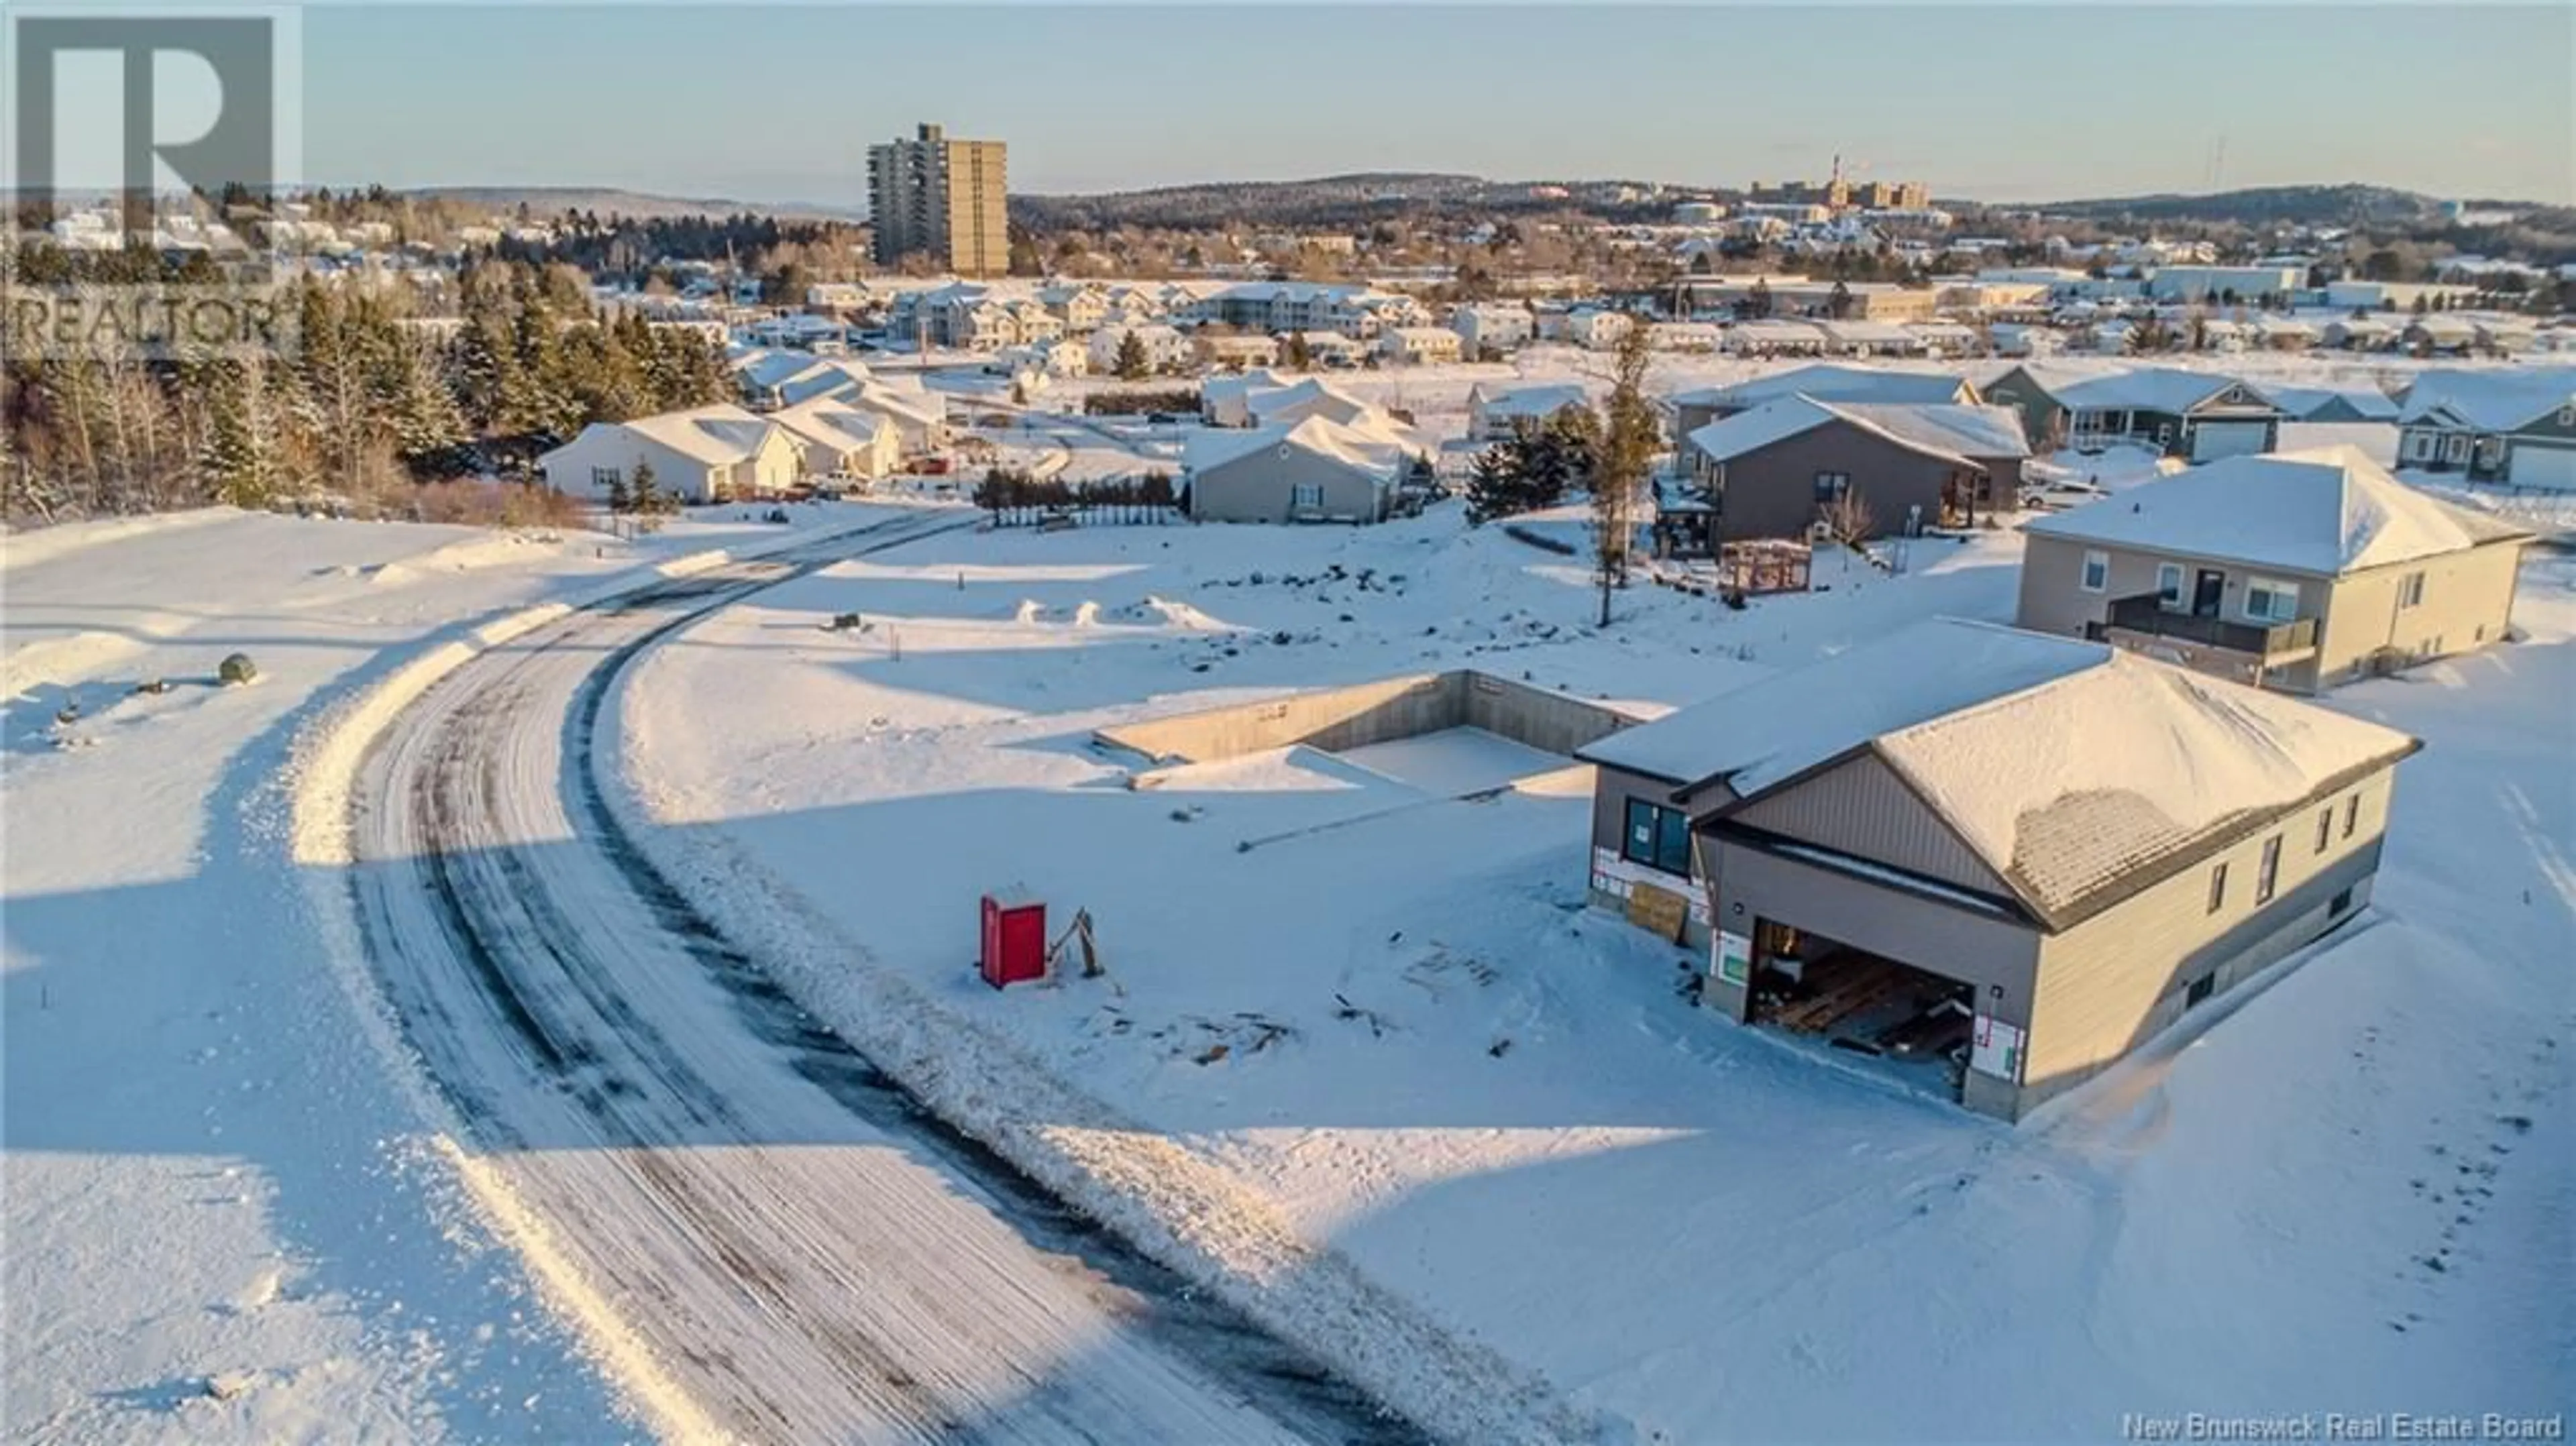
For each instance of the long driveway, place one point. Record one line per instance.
(803, 1253)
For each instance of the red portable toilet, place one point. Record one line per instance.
(1014, 938)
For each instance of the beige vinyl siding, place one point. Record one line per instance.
(1861, 807)
(2467, 603)
(1262, 487)
(2108, 983)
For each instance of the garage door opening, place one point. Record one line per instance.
(1909, 1023)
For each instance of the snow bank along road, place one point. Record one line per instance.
(799, 1253)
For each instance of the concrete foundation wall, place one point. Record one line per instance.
(1337, 719)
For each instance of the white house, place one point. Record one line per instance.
(785, 378)
(920, 418)
(1227, 401)
(1594, 329)
(1418, 345)
(1492, 328)
(840, 440)
(1166, 349)
(705, 454)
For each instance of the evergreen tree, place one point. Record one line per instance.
(429, 427)
(240, 461)
(1132, 363)
(1298, 355)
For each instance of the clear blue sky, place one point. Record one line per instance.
(2002, 102)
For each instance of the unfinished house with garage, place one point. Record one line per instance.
(1988, 863)
(2296, 571)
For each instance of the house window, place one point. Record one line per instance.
(2325, 827)
(1830, 486)
(2419, 447)
(2268, 877)
(2340, 903)
(2218, 888)
(1306, 494)
(604, 478)
(2410, 591)
(2199, 990)
(2351, 814)
(2097, 571)
(2270, 601)
(2455, 448)
(2169, 586)
(1657, 837)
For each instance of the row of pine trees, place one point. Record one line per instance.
(361, 410)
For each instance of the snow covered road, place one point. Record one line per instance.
(797, 1252)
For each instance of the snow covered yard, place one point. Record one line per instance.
(1387, 1012)
(223, 1220)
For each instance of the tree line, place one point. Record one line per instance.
(366, 405)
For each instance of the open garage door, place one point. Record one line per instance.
(2213, 440)
(2553, 468)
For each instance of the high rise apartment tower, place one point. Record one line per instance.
(943, 198)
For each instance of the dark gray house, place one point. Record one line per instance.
(2201, 416)
(1778, 469)
(1992, 861)
(2508, 426)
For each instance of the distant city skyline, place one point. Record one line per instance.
(2000, 103)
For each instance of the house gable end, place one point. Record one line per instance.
(1862, 807)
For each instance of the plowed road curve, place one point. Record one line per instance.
(806, 1256)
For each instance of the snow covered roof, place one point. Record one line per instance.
(1368, 449)
(832, 422)
(2495, 400)
(2150, 389)
(1826, 709)
(2323, 512)
(1861, 329)
(2072, 769)
(1832, 384)
(716, 434)
(1950, 431)
(1536, 401)
(2373, 404)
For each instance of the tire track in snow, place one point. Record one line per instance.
(799, 1246)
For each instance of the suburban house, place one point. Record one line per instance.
(2197, 415)
(1238, 351)
(2513, 427)
(1824, 383)
(1987, 861)
(1312, 397)
(840, 440)
(1492, 328)
(1227, 401)
(1312, 469)
(1594, 329)
(1166, 348)
(2294, 570)
(715, 453)
(1777, 470)
(772, 379)
(1492, 412)
(1773, 336)
(920, 419)
(1418, 345)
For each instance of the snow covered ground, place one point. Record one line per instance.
(1386, 1017)
(209, 1177)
